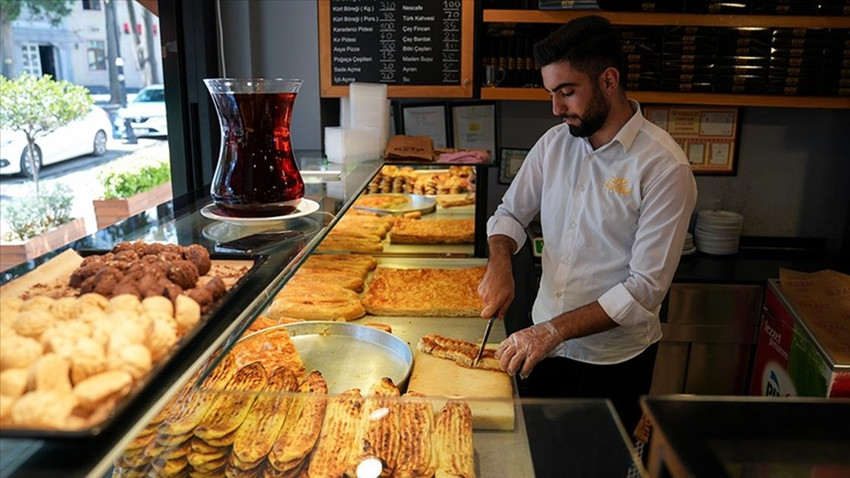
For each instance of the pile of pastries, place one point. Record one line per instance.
(404, 179)
(71, 352)
(259, 413)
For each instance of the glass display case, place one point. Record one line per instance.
(507, 436)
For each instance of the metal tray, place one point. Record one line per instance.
(350, 355)
(212, 316)
(418, 202)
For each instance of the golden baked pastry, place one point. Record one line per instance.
(416, 452)
(453, 440)
(361, 226)
(258, 432)
(466, 200)
(303, 423)
(310, 303)
(97, 388)
(461, 352)
(433, 231)
(38, 409)
(335, 449)
(360, 263)
(338, 242)
(378, 434)
(189, 408)
(318, 278)
(229, 410)
(273, 349)
(424, 292)
(383, 201)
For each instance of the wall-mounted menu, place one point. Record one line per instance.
(419, 48)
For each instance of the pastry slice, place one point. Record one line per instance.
(453, 441)
(461, 352)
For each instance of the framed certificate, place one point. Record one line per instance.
(426, 120)
(474, 126)
(509, 162)
(707, 135)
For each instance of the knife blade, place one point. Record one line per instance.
(484, 341)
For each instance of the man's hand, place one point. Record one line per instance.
(526, 347)
(497, 287)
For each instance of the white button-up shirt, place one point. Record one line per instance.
(614, 222)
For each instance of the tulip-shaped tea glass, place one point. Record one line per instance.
(256, 175)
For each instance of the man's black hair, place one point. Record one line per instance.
(590, 44)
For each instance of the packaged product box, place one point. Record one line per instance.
(803, 344)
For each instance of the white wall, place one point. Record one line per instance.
(278, 38)
(793, 177)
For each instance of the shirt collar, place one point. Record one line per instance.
(629, 131)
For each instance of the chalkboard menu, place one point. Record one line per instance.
(417, 47)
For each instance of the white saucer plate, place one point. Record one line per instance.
(305, 207)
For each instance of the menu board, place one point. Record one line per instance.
(418, 48)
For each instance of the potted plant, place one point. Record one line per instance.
(37, 223)
(133, 184)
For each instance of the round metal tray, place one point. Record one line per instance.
(418, 202)
(350, 355)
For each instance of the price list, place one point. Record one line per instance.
(397, 42)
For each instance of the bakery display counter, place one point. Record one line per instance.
(503, 435)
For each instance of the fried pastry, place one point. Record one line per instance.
(453, 441)
(97, 388)
(378, 434)
(461, 352)
(416, 454)
(335, 448)
(191, 407)
(229, 409)
(258, 432)
(302, 425)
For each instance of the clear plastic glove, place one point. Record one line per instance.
(525, 348)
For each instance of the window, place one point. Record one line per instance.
(91, 4)
(96, 55)
(30, 59)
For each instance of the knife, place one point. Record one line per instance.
(484, 341)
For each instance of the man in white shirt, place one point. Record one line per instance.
(615, 194)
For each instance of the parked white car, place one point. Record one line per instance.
(87, 135)
(146, 113)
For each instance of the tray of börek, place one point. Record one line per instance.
(84, 333)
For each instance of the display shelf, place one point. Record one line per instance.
(676, 19)
(675, 97)
(673, 19)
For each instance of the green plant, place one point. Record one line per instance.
(33, 214)
(38, 106)
(123, 181)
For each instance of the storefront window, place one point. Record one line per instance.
(97, 55)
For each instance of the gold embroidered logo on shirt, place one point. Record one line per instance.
(619, 185)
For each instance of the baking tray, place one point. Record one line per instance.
(213, 315)
(349, 355)
(418, 202)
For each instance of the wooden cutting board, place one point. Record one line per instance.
(489, 394)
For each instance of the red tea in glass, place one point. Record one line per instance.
(256, 175)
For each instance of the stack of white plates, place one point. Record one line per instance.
(689, 247)
(717, 232)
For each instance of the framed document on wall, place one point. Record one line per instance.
(474, 127)
(509, 162)
(708, 135)
(426, 120)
